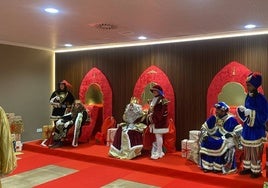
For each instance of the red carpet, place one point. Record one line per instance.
(96, 168)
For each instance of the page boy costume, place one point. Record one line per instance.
(158, 120)
(254, 116)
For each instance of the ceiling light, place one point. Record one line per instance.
(68, 45)
(142, 37)
(250, 26)
(52, 10)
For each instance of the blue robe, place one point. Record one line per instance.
(217, 152)
(254, 125)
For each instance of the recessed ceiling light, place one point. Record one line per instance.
(142, 37)
(52, 10)
(250, 26)
(68, 45)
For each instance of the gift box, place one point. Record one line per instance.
(110, 136)
(10, 117)
(16, 125)
(184, 149)
(16, 137)
(190, 150)
(194, 134)
(46, 131)
(16, 128)
(193, 151)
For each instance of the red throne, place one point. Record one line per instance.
(154, 75)
(96, 95)
(101, 136)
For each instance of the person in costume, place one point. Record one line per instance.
(128, 140)
(8, 161)
(61, 100)
(77, 118)
(219, 137)
(254, 116)
(158, 120)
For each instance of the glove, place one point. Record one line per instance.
(247, 112)
(228, 135)
(242, 108)
(67, 124)
(59, 122)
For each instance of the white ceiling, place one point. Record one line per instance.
(25, 23)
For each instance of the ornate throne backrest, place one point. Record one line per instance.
(233, 94)
(151, 76)
(228, 85)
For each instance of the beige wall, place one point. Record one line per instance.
(26, 85)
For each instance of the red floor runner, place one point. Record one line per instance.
(94, 161)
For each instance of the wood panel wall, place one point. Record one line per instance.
(190, 67)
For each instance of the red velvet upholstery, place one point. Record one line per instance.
(95, 76)
(101, 137)
(148, 139)
(170, 138)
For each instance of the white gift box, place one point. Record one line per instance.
(194, 134)
(110, 136)
(193, 150)
(189, 149)
(184, 149)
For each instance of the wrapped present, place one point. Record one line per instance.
(16, 137)
(190, 149)
(194, 134)
(10, 117)
(110, 136)
(193, 149)
(184, 149)
(16, 128)
(46, 131)
(16, 125)
(265, 184)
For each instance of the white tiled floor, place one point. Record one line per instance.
(120, 183)
(48, 173)
(35, 177)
